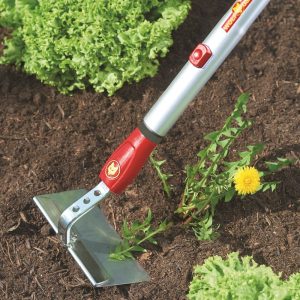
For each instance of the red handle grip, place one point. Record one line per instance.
(126, 162)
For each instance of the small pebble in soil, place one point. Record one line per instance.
(145, 256)
(131, 206)
(256, 245)
(132, 193)
(290, 239)
(37, 99)
(43, 129)
(46, 230)
(46, 243)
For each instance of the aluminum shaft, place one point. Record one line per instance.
(188, 83)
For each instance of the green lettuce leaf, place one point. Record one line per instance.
(240, 279)
(102, 43)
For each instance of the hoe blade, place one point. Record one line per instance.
(96, 238)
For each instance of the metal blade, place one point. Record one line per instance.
(96, 238)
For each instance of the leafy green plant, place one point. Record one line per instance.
(240, 279)
(213, 179)
(157, 164)
(100, 43)
(136, 234)
(203, 228)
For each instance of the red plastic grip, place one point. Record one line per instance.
(126, 162)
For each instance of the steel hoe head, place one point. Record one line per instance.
(92, 240)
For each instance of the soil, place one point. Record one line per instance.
(51, 142)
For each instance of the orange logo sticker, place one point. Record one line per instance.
(237, 10)
(113, 169)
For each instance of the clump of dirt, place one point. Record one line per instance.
(51, 143)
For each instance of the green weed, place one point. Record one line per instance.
(213, 179)
(157, 164)
(135, 235)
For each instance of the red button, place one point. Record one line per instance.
(200, 56)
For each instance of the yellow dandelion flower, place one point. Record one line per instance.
(247, 180)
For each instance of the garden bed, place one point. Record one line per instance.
(51, 143)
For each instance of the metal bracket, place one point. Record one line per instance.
(78, 209)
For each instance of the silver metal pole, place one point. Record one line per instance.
(187, 84)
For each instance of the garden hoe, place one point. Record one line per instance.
(75, 216)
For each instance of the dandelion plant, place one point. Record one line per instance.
(247, 180)
(213, 179)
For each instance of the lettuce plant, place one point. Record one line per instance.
(240, 279)
(102, 43)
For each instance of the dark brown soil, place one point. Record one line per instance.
(50, 143)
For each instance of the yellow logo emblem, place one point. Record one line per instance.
(237, 10)
(113, 169)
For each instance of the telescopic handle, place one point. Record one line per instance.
(127, 160)
(203, 63)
